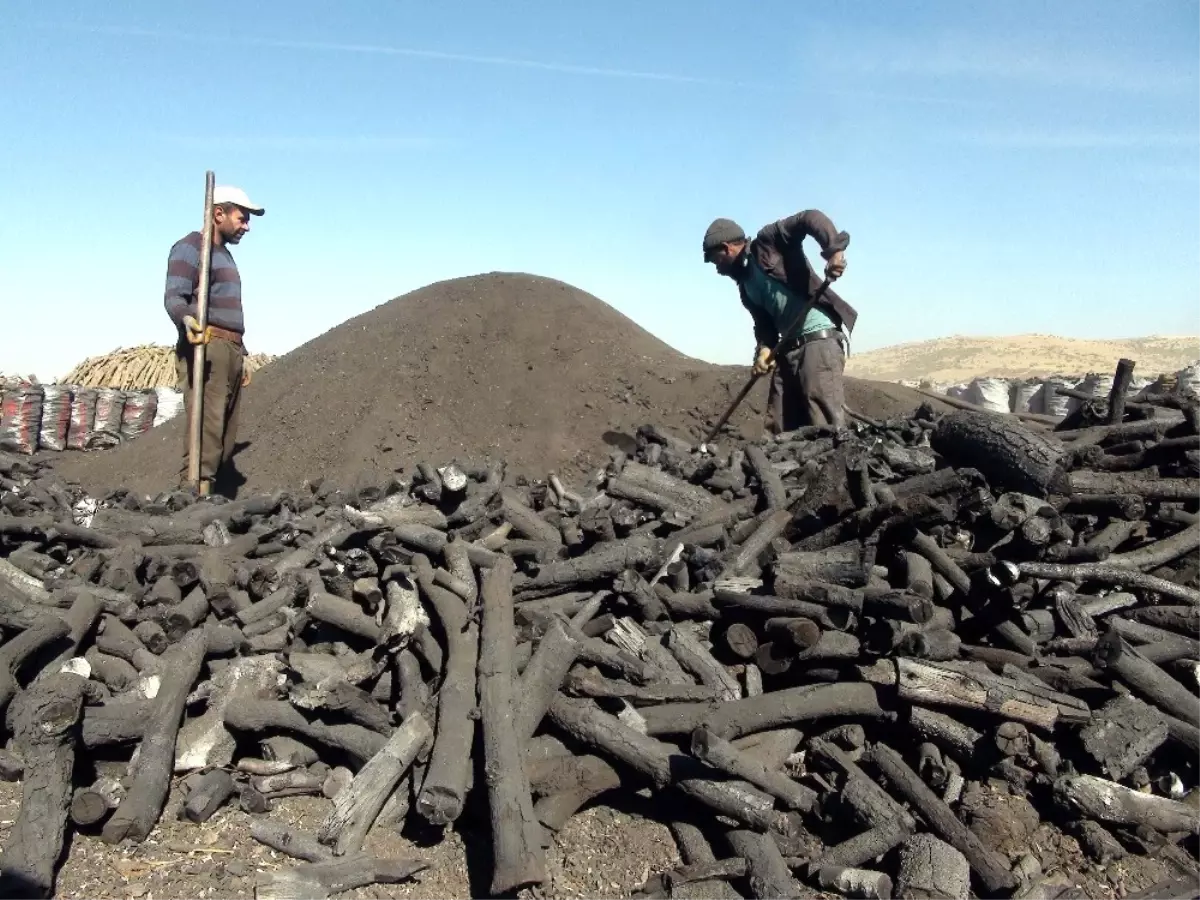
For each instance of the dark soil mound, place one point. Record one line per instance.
(509, 366)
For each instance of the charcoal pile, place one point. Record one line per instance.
(866, 663)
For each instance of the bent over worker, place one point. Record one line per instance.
(777, 284)
(224, 372)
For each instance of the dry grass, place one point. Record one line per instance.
(960, 358)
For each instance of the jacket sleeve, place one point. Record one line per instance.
(183, 271)
(809, 223)
(765, 333)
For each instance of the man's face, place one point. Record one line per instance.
(723, 257)
(231, 225)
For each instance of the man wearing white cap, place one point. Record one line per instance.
(224, 376)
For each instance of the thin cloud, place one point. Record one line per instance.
(1167, 174)
(319, 144)
(504, 61)
(1024, 64)
(884, 97)
(385, 50)
(955, 54)
(1074, 140)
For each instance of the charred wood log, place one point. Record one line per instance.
(971, 687)
(1146, 488)
(205, 741)
(351, 701)
(732, 719)
(588, 683)
(208, 795)
(259, 716)
(16, 653)
(1008, 454)
(657, 761)
(319, 880)
(696, 659)
(987, 864)
(43, 720)
(604, 561)
(151, 773)
(518, 856)
(543, 676)
(774, 494)
(930, 868)
(91, 804)
(722, 755)
(356, 808)
(768, 872)
(443, 790)
(1102, 573)
(1123, 735)
(1120, 805)
(1147, 679)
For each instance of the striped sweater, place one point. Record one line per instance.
(224, 285)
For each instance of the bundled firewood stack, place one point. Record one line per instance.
(867, 662)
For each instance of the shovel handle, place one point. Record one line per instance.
(737, 401)
(198, 346)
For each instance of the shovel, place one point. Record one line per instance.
(787, 336)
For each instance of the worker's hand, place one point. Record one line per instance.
(195, 334)
(835, 266)
(245, 376)
(761, 365)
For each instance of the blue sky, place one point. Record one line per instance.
(1001, 167)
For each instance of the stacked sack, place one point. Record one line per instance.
(170, 404)
(990, 393)
(1040, 395)
(20, 417)
(67, 417)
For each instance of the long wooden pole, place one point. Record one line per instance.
(198, 350)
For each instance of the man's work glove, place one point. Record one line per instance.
(761, 365)
(835, 266)
(195, 334)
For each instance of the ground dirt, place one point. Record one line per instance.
(510, 366)
(602, 852)
(961, 358)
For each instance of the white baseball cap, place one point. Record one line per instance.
(226, 194)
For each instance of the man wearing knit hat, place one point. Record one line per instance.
(224, 373)
(779, 287)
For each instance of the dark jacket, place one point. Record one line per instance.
(779, 250)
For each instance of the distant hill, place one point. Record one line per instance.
(959, 358)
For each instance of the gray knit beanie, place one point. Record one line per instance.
(722, 231)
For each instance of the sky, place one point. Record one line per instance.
(1001, 168)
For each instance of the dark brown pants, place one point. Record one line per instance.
(806, 387)
(222, 401)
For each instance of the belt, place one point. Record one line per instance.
(210, 332)
(820, 335)
(232, 336)
(800, 340)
